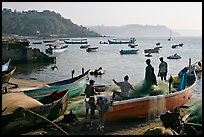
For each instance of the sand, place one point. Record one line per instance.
(84, 127)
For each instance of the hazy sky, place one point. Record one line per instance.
(175, 15)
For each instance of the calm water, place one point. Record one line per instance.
(116, 66)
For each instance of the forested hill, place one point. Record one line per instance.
(48, 23)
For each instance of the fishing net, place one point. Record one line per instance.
(144, 88)
(196, 112)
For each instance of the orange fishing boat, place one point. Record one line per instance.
(152, 105)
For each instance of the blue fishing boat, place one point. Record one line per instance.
(132, 51)
(75, 85)
(122, 41)
(76, 41)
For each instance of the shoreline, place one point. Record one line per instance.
(125, 127)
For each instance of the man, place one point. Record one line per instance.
(162, 69)
(125, 87)
(90, 98)
(149, 73)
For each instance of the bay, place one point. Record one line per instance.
(115, 65)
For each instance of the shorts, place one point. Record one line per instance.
(87, 103)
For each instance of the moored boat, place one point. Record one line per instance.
(135, 51)
(85, 46)
(154, 50)
(75, 85)
(175, 56)
(122, 41)
(92, 49)
(76, 41)
(56, 48)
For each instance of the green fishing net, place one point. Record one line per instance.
(196, 112)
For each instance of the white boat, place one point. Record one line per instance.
(56, 48)
(6, 65)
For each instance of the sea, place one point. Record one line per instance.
(116, 66)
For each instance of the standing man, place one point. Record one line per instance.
(162, 69)
(149, 73)
(90, 101)
(125, 87)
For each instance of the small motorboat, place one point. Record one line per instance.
(93, 49)
(175, 56)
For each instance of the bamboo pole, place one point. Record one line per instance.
(47, 120)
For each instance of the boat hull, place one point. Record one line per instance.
(148, 106)
(24, 118)
(75, 86)
(122, 52)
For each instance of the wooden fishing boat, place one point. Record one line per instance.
(75, 85)
(122, 41)
(6, 65)
(6, 75)
(151, 105)
(92, 49)
(21, 112)
(132, 51)
(76, 41)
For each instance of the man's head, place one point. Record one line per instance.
(126, 78)
(161, 59)
(91, 82)
(148, 61)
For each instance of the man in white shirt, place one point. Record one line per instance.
(125, 87)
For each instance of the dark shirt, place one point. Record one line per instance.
(149, 74)
(89, 91)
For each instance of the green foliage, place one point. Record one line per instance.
(47, 22)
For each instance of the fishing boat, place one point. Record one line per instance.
(154, 50)
(6, 75)
(92, 49)
(122, 41)
(133, 45)
(75, 85)
(37, 42)
(76, 41)
(56, 48)
(6, 65)
(103, 42)
(128, 51)
(84, 46)
(153, 105)
(21, 112)
(175, 56)
(50, 41)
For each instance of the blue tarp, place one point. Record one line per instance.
(183, 78)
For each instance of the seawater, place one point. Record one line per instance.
(116, 66)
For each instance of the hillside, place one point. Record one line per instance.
(47, 23)
(134, 30)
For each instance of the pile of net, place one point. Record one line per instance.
(142, 89)
(196, 112)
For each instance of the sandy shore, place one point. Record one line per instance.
(126, 127)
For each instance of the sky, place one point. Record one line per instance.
(174, 15)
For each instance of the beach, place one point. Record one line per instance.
(85, 127)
